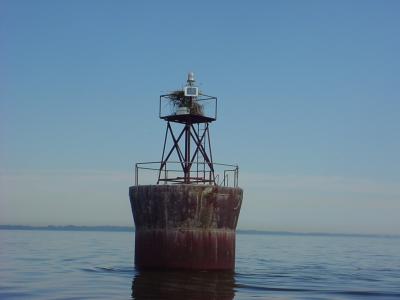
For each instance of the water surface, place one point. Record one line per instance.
(88, 265)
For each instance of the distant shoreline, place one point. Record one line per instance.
(68, 228)
(132, 229)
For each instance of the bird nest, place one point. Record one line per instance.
(179, 99)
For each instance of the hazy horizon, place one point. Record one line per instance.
(131, 228)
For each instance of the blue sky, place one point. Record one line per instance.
(308, 106)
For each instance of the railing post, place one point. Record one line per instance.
(136, 174)
(225, 178)
(237, 176)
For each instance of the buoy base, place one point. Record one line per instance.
(185, 226)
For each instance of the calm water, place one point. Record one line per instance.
(88, 265)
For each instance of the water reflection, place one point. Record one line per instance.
(183, 285)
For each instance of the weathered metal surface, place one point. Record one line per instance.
(183, 285)
(185, 226)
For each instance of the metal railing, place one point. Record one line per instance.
(150, 173)
(205, 106)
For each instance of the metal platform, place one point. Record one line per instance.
(189, 118)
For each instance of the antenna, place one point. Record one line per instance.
(190, 80)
